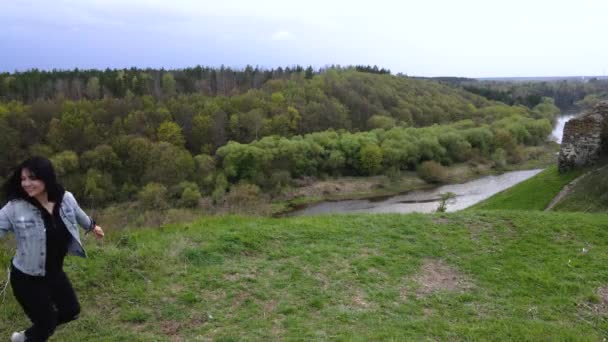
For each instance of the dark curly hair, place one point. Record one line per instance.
(41, 168)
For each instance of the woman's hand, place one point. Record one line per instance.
(98, 232)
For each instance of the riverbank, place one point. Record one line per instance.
(533, 194)
(251, 201)
(381, 187)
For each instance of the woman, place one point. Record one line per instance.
(43, 217)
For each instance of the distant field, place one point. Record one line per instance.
(533, 194)
(476, 275)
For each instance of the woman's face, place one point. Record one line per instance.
(30, 184)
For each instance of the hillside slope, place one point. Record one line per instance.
(477, 275)
(532, 194)
(590, 194)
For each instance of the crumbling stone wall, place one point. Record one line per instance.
(584, 138)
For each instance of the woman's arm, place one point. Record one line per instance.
(5, 224)
(82, 218)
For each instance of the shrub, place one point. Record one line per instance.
(371, 158)
(242, 194)
(380, 121)
(276, 181)
(153, 196)
(245, 198)
(499, 157)
(221, 184)
(517, 155)
(190, 198)
(432, 172)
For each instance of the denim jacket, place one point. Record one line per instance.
(25, 220)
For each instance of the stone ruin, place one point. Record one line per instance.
(585, 138)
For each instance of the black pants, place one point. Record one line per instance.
(48, 302)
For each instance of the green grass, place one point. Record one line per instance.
(588, 195)
(343, 277)
(532, 194)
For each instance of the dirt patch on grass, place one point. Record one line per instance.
(436, 275)
(213, 295)
(603, 293)
(170, 327)
(270, 306)
(198, 319)
(494, 230)
(239, 300)
(323, 280)
(239, 276)
(359, 299)
(601, 308)
(428, 312)
(440, 220)
(593, 308)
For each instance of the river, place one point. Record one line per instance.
(426, 201)
(558, 130)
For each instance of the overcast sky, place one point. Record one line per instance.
(473, 38)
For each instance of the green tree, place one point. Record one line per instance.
(309, 73)
(168, 164)
(380, 121)
(371, 159)
(221, 185)
(190, 195)
(200, 138)
(241, 161)
(204, 171)
(93, 89)
(9, 151)
(65, 163)
(171, 132)
(134, 153)
(75, 130)
(102, 158)
(458, 148)
(98, 188)
(250, 124)
(169, 85)
(153, 196)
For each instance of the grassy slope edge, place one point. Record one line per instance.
(532, 194)
(522, 276)
(588, 195)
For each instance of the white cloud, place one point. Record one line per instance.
(283, 35)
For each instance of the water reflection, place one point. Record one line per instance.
(425, 201)
(558, 130)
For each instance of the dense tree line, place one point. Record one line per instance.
(372, 69)
(566, 93)
(32, 85)
(339, 122)
(336, 99)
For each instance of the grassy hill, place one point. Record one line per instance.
(475, 275)
(588, 195)
(532, 194)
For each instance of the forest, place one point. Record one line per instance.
(122, 135)
(567, 94)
